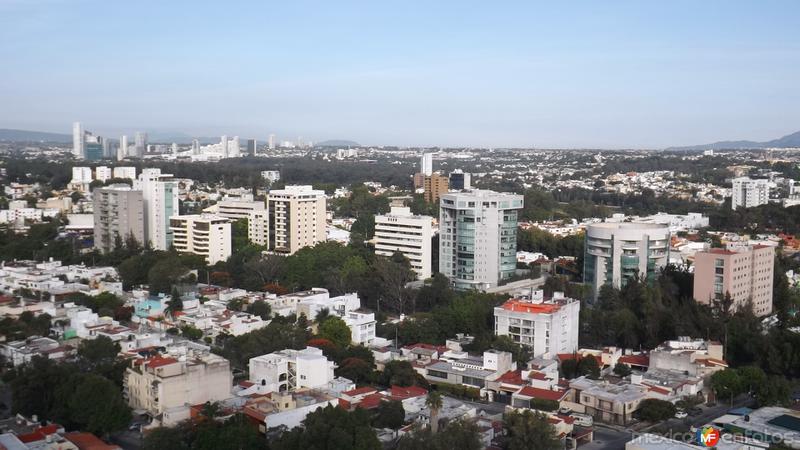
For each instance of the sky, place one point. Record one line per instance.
(577, 74)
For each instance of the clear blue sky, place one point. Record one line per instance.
(547, 74)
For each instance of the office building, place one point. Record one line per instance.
(547, 327)
(102, 173)
(206, 235)
(746, 274)
(251, 147)
(296, 218)
(618, 252)
(426, 164)
(118, 214)
(122, 151)
(93, 147)
(139, 144)
(478, 237)
(748, 193)
(160, 194)
(460, 180)
(77, 141)
(401, 231)
(166, 387)
(272, 142)
(435, 186)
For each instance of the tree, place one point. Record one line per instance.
(434, 404)
(355, 369)
(190, 332)
(162, 438)
(398, 373)
(622, 370)
(588, 366)
(527, 430)
(776, 390)
(389, 414)
(98, 350)
(331, 428)
(457, 434)
(261, 309)
(335, 330)
(655, 410)
(726, 383)
(97, 406)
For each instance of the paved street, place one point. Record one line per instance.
(607, 439)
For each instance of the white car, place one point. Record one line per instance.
(681, 415)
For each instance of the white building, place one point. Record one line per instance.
(77, 141)
(122, 150)
(295, 219)
(288, 370)
(618, 252)
(426, 164)
(547, 327)
(401, 231)
(160, 196)
(102, 173)
(236, 208)
(81, 175)
(271, 175)
(748, 193)
(478, 237)
(202, 234)
(125, 172)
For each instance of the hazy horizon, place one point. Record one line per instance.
(450, 74)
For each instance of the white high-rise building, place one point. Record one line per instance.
(174, 148)
(125, 172)
(81, 175)
(77, 141)
(223, 142)
(102, 173)
(401, 231)
(160, 194)
(478, 237)
(618, 252)
(748, 193)
(295, 219)
(234, 150)
(272, 142)
(426, 164)
(140, 144)
(548, 327)
(195, 147)
(207, 235)
(122, 151)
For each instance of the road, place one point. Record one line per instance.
(607, 439)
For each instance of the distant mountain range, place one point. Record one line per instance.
(337, 143)
(788, 141)
(32, 136)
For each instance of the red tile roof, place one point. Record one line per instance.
(525, 306)
(88, 441)
(360, 391)
(402, 393)
(635, 360)
(543, 394)
(158, 361)
(371, 401)
(511, 377)
(39, 434)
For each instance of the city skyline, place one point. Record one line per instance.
(528, 75)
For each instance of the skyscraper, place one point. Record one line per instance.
(122, 151)
(272, 142)
(251, 147)
(140, 144)
(478, 237)
(223, 142)
(426, 164)
(160, 196)
(234, 150)
(195, 147)
(174, 148)
(77, 141)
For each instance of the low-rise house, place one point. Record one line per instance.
(289, 370)
(22, 352)
(694, 356)
(609, 402)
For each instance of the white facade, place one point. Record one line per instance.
(160, 195)
(748, 193)
(77, 141)
(258, 227)
(547, 327)
(478, 237)
(289, 370)
(401, 231)
(81, 175)
(237, 209)
(426, 164)
(296, 218)
(125, 172)
(102, 173)
(271, 175)
(617, 252)
(122, 150)
(202, 234)
(140, 144)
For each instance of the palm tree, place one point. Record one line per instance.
(322, 314)
(434, 403)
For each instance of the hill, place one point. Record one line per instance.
(788, 141)
(337, 143)
(32, 136)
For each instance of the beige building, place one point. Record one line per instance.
(745, 274)
(435, 186)
(118, 212)
(207, 235)
(166, 387)
(295, 219)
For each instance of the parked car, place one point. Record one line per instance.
(681, 414)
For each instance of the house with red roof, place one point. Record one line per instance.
(88, 441)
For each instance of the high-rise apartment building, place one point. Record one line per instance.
(140, 144)
(460, 180)
(272, 142)
(122, 151)
(401, 231)
(128, 172)
(435, 186)
(426, 164)
(118, 213)
(618, 252)
(745, 274)
(81, 175)
(251, 147)
(77, 140)
(160, 194)
(102, 173)
(295, 219)
(547, 327)
(234, 150)
(258, 227)
(206, 235)
(478, 237)
(748, 193)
